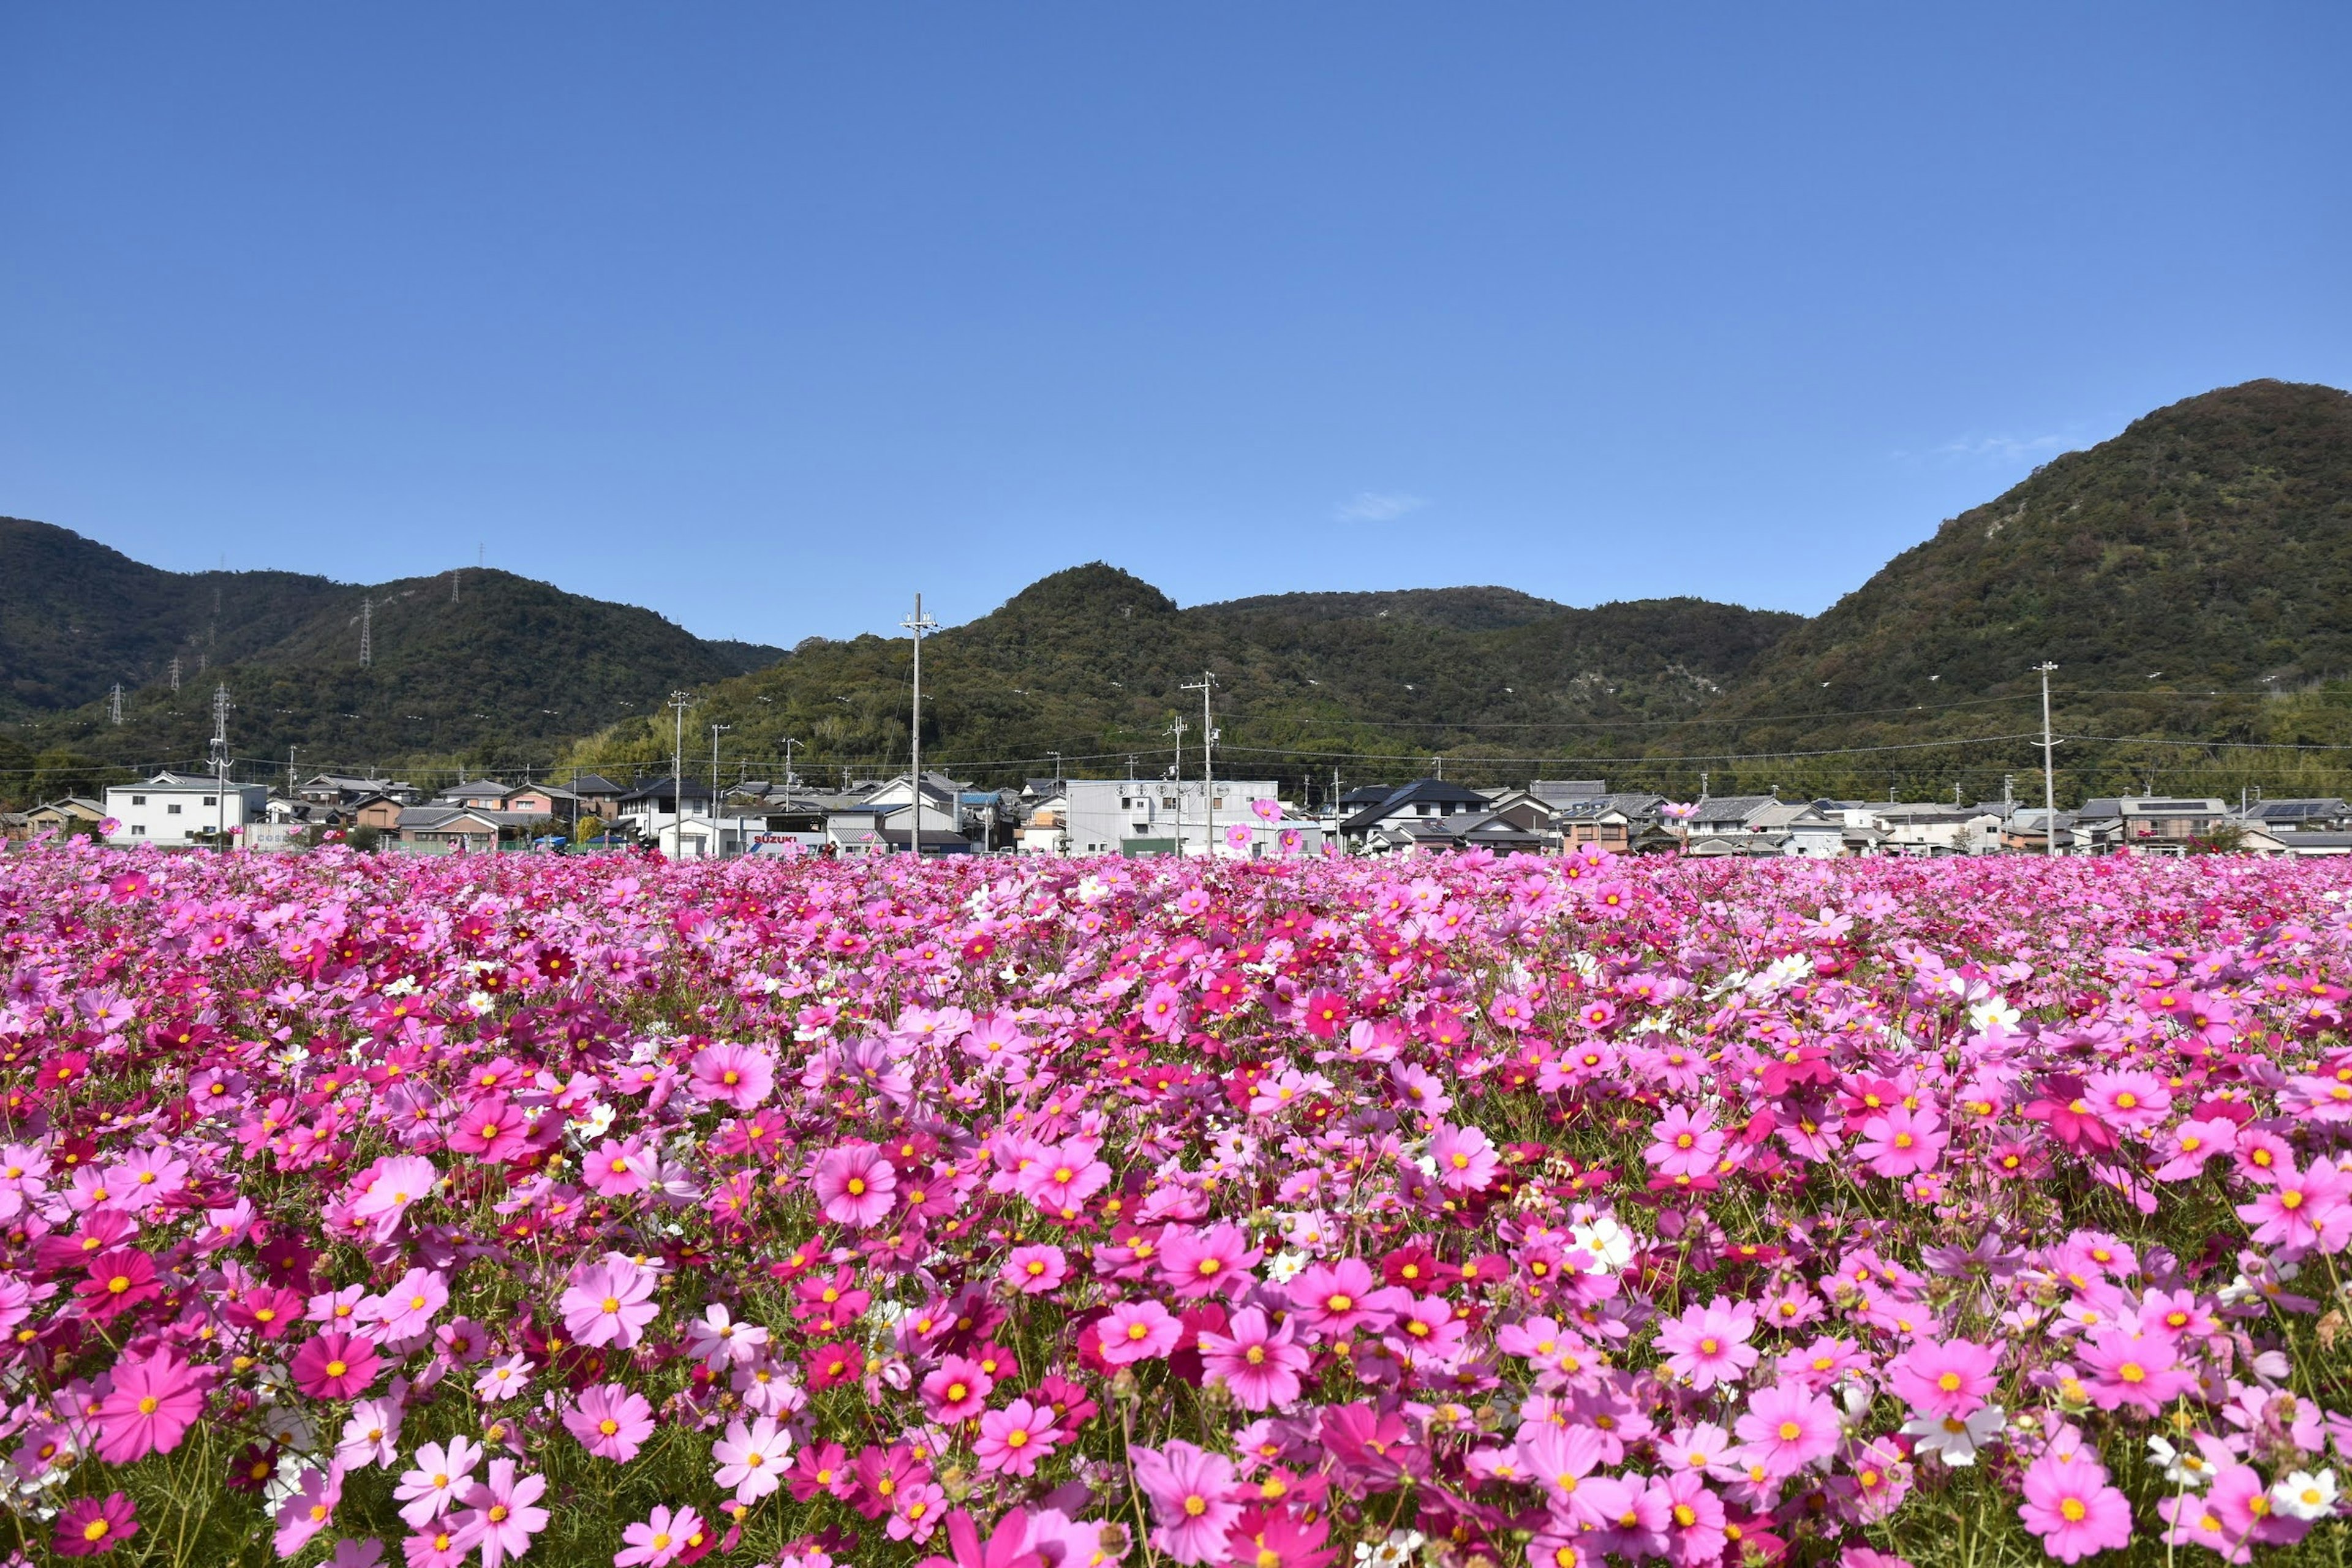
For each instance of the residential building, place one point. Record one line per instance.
(456, 830)
(2327, 813)
(1621, 823)
(64, 813)
(487, 793)
(1421, 799)
(342, 789)
(174, 809)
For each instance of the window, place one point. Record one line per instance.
(212, 800)
(139, 800)
(172, 810)
(137, 830)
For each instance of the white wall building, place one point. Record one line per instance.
(1109, 817)
(169, 808)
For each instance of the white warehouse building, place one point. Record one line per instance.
(169, 807)
(1165, 816)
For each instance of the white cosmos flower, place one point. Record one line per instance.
(2302, 1495)
(1955, 1440)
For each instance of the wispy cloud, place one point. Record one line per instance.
(2002, 448)
(1375, 506)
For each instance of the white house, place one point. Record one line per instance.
(169, 808)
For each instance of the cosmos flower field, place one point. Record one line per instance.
(1044, 1214)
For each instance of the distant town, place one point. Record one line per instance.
(686, 819)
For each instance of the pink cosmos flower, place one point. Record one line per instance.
(855, 1184)
(752, 1459)
(2069, 1504)
(1466, 1162)
(407, 1307)
(2308, 1208)
(615, 1168)
(1787, 1428)
(388, 1188)
(371, 1436)
(1681, 1144)
(611, 1421)
(504, 1379)
(1036, 1271)
(2141, 1371)
(310, 1509)
(501, 1513)
(335, 1366)
(443, 1474)
(1334, 1297)
(1190, 1490)
(1137, 1330)
(1948, 1379)
(1259, 1365)
(1900, 1142)
(657, 1541)
(1064, 1175)
(1014, 1440)
(155, 1401)
(1709, 1344)
(492, 1130)
(736, 1075)
(1214, 1261)
(610, 1302)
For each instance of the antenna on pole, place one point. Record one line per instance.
(114, 703)
(917, 625)
(367, 633)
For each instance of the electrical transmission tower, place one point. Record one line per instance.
(367, 633)
(114, 703)
(176, 672)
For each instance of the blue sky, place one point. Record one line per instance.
(767, 317)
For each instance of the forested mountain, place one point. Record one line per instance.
(1093, 662)
(503, 670)
(2190, 578)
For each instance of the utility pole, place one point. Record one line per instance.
(716, 731)
(2048, 771)
(1702, 783)
(289, 771)
(1208, 772)
(1439, 760)
(1177, 729)
(367, 628)
(220, 761)
(677, 699)
(114, 703)
(789, 745)
(917, 625)
(1057, 765)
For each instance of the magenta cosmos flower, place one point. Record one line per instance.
(88, 1526)
(1709, 1344)
(855, 1184)
(335, 1366)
